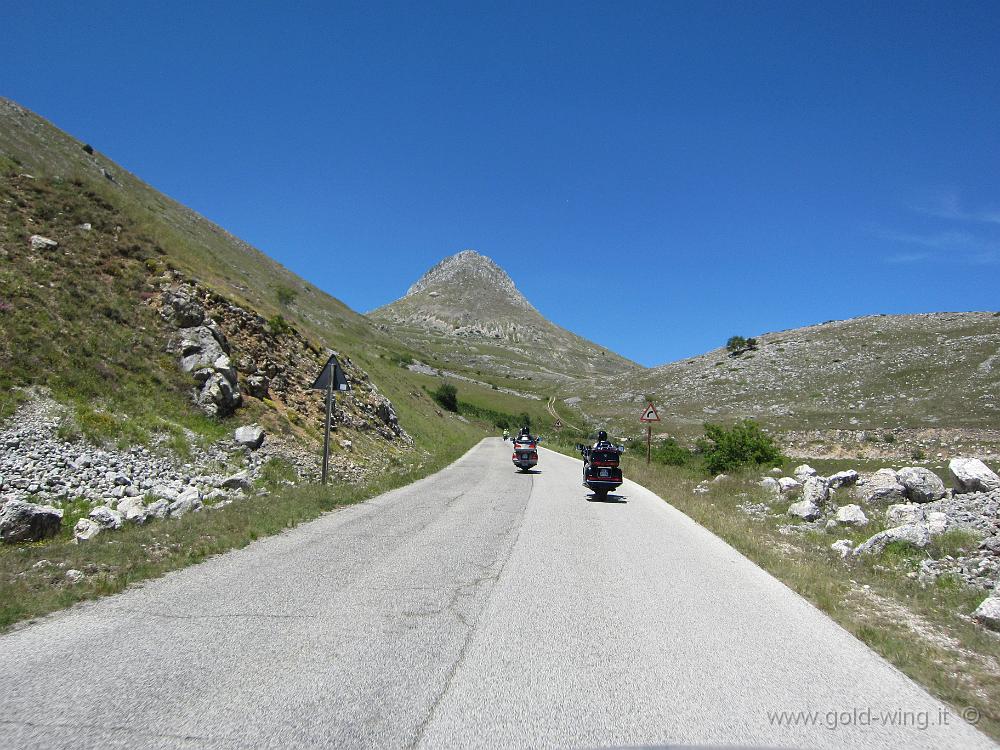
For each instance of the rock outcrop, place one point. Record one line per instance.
(21, 521)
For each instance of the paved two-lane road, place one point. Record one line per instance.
(476, 608)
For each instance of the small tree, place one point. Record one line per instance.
(736, 344)
(745, 444)
(447, 396)
(286, 295)
(278, 325)
(524, 420)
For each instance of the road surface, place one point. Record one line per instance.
(476, 608)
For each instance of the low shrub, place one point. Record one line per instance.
(744, 444)
(446, 395)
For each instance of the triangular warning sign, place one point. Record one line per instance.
(650, 414)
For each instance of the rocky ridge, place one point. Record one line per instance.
(468, 311)
(877, 386)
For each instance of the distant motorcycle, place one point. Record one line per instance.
(601, 468)
(525, 455)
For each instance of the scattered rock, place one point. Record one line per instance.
(789, 486)
(900, 514)
(181, 310)
(921, 485)
(86, 529)
(163, 491)
(911, 533)
(74, 576)
(843, 479)
(815, 491)
(720, 478)
(988, 613)
(21, 521)
(189, 501)
(937, 523)
(42, 243)
(218, 397)
(805, 510)
(770, 484)
(238, 481)
(134, 510)
(842, 547)
(803, 471)
(972, 475)
(851, 515)
(257, 386)
(249, 436)
(107, 518)
(884, 487)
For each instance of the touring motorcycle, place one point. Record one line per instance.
(525, 455)
(601, 467)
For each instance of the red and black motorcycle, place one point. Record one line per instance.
(602, 467)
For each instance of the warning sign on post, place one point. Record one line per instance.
(650, 414)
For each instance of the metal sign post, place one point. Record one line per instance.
(649, 416)
(330, 378)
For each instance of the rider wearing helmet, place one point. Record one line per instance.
(602, 440)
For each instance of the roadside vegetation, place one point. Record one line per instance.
(924, 630)
(33, 580)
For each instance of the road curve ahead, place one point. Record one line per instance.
(475, 608)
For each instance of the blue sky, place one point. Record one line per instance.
(654, 176)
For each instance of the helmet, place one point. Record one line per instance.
(602, 436)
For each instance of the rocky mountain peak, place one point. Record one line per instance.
(469, 271)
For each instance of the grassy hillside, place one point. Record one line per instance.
(61, 182)
(923, 374)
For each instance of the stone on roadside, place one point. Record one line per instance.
(85, 530)
(188, 502)
(106, 517)
(915, 534)
(21, 521)
(804, 509)
(164, 492)
(249, 436)
(851, 515)
(921, 485)
(133, 510)
(157, 509)
(238, 481)
(972, 475)
(74, 576)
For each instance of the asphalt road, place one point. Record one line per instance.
(476, 608)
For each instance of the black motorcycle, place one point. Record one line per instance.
(601, 468)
